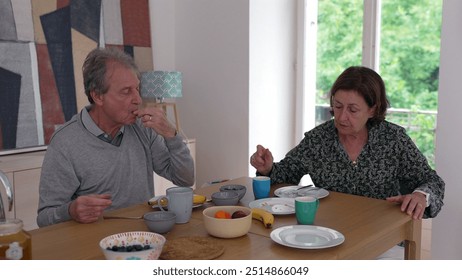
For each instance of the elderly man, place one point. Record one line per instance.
(104, 157)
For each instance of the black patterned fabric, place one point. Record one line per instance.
(388, 165)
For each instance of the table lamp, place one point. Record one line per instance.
(158, 85)
(161, 84)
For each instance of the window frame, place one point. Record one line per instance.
(307, 16)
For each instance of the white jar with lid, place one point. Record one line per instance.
(15, 243)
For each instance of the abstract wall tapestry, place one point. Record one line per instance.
(42, 47)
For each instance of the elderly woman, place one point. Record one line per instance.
(359, 152)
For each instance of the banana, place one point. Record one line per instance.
(199, 199)
(264, 216)
(163, 202)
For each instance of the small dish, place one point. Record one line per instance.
(240, 189)
(225, 198)
(159, 221)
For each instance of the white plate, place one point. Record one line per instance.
(195, 205)
(307, 237)
(275, 205)
(291, 192)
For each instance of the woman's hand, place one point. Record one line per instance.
(413, 204)
(262, 160)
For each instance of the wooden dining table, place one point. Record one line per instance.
(370, 227)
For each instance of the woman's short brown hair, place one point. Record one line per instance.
(368, 84)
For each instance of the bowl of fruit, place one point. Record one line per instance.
(227, 221)
(133, 245)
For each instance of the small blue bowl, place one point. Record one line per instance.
(226, 198)
(160, 221)
(240, 189)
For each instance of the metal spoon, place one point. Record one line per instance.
(303, 187)
(313, 189)
(121, 217)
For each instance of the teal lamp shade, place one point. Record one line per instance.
(161, 84)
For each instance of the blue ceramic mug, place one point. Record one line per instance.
(261, 186)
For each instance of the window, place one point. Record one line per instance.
(399, 39)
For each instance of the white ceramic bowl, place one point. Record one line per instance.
(154, 240)
(227, 228)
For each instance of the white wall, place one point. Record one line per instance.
(212, 39)
(447, 226)
(238, 77)
(162, 16)
(272, 88)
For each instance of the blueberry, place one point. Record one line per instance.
(129, 248)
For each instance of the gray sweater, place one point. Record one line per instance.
(78, 163)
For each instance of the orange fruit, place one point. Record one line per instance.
(222, 215)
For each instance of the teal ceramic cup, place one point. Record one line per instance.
(305, 209)
(261, 186)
